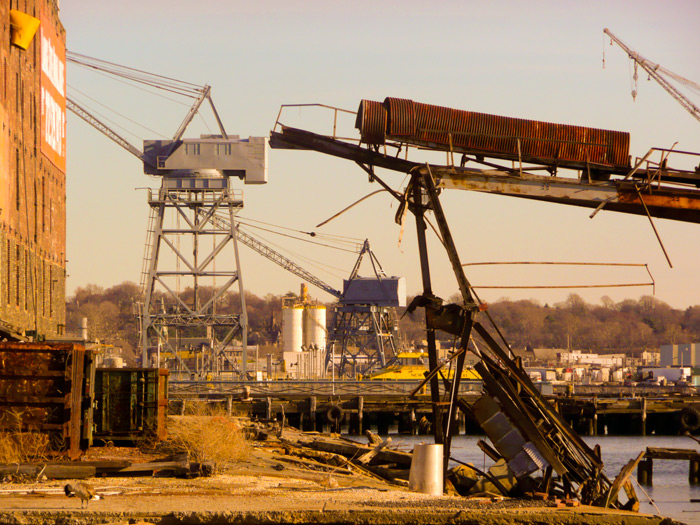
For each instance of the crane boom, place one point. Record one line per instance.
(106, 130)
(279, 259)
(284, 262)
(654, 70)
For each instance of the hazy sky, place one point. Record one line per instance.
(539, 60)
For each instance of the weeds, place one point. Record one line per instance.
(21, 445)
(207, 436)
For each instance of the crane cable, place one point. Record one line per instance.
(136, 75)
(340, 239)
(311, 262)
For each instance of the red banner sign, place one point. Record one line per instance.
(53, 98)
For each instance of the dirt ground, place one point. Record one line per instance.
(260, 490)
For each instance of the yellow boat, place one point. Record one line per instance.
(408, 366)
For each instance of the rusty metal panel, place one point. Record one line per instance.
(371, 120)
(130, 403)
(42, 390)
(493, 135)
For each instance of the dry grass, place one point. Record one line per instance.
(207, 436)
(19, 444)
(23, 447)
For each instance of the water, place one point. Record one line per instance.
(671, 491)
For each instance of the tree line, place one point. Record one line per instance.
(629, 326)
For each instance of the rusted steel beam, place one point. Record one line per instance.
(681, 204)
(293, 138)
(418, 208)
(448, 129)
(673, 203)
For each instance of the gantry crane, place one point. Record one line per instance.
(363, 334)
(660, 74)
(195, 185)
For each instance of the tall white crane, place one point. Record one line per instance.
(661, 75)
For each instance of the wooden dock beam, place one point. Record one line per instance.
(645, 467)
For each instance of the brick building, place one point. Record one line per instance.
(32, 170)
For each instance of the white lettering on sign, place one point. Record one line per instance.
(54, 121)
(52, 65)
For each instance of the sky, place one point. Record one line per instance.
(541, 60)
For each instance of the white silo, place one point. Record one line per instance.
(292, 330)
(315, 326)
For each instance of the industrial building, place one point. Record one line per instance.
(687, 354)
(32, 170)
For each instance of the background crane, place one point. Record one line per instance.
(364, 327)
(661, 75)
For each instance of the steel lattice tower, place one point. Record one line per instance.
(182, 318)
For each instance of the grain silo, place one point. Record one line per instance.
(315, 326)
(292, 328)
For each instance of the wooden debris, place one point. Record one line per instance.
(365, 458)
(50, 471)
(373, 438)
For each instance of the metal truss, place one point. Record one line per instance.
(364, 335)
(182, 283)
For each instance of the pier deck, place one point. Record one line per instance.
(352, 406)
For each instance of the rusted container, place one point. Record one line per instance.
(130, 404)
(495, 136)
(44, 387)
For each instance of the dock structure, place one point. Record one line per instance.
(387, 406)
(645, 469)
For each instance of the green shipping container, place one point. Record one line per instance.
(130, 404)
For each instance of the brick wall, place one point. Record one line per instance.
(32, 188)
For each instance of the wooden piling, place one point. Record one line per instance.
(645, 471)
(595, 416)
(360, 414)
(461, 423)
(383, 424)
(312, 413)
(643, 404)
(694, 472)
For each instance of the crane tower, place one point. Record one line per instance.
(183, 323)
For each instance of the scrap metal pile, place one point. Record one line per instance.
(539, 447)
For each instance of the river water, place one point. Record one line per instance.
(671, 491)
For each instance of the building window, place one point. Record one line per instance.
(43, 204)
(36, 212)
(223, 149)
(17, 274)
(17, 177)
(50, 291)
(8, 277)
(26, 279)
(43, 288)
